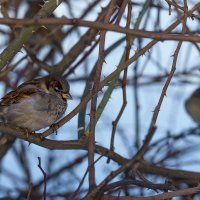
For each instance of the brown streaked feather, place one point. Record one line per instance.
(14, 96)
(24, 90)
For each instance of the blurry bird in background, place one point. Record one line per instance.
(193, 106)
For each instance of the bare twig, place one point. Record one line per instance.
(152, 127)
(45, 178)
(128, 47)
(103, 26)
(167, 195)
(95, 90)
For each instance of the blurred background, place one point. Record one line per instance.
(72, 51)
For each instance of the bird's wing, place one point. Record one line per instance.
(25, 90)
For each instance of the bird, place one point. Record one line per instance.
(35, 104)
(192, 106)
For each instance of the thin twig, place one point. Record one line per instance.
(73, 196)
(102, 26)
(45, 178)
(95, 90)
(152, 127)
(164, 196)
(127, 52)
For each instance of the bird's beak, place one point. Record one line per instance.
(66, 96)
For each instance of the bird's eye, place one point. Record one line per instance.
(57, 89)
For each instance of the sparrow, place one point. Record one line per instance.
(192, 106)
(35, 104)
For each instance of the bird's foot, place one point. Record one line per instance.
(27, 132)
(54, 127)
